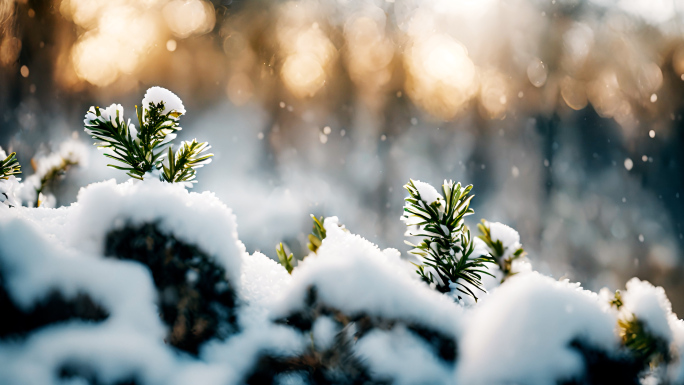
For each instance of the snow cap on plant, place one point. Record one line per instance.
(503, 243)
(171, 103)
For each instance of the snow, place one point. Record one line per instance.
(510, 239)
(156, 95)
(650, 305)
(428, 193)
(400, 355)
(521, 333)
(129, 338)
(198, 219)
(354, 276)
(10, 191)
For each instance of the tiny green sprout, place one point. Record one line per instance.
(446, 250)
(9, 166)
(285, 259)
(317, 234)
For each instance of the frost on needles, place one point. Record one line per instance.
(142, 152)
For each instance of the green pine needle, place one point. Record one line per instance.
(447, 245)
(181, 166)
(9, 166)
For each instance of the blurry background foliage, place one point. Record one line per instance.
(566, 115)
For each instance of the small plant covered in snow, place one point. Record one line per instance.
(504, 245)
(142, 152)
(118, 289)
(446, 253)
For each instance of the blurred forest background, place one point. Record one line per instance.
(566, 115)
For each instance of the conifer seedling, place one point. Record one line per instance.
(141, 153)
(446, 251)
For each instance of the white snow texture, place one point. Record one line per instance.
(519, 333)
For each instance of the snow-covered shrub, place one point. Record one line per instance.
(446, 254)
(355, 301)
(146, 283)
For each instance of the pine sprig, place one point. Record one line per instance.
(119, 136)
(142, 152)
(183, 164)
(499, 251)
(284, 258)
(9, 166)
(447, 246)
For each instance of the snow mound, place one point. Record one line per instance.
(650, 305)
(523, 332)
(198, 219)
(356, 277)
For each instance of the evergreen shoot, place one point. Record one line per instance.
(503, 252)
(142, 152)
(446, 251)
(284, 258)
(9, 166)
(183, 164)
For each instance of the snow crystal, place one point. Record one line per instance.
(156, 95)
(522, 332)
